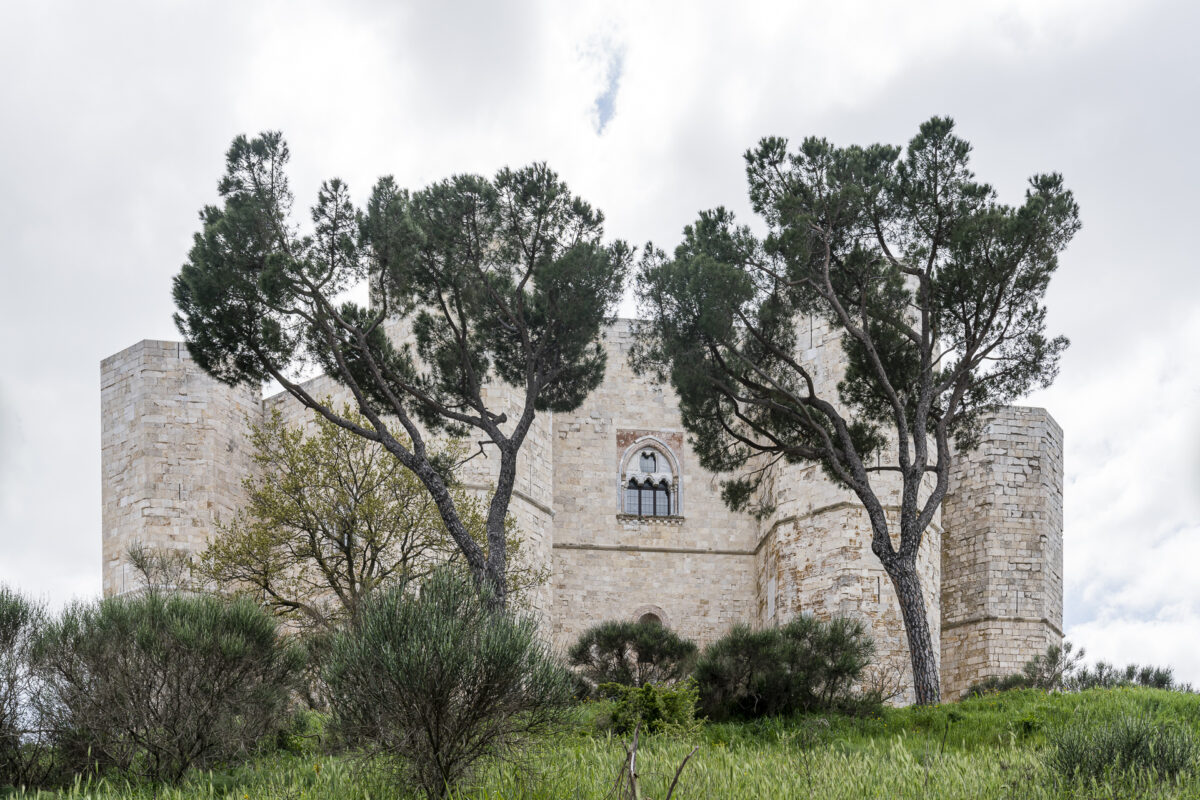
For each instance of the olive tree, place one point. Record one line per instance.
(502, 280)
(936, 288)
(331, 517)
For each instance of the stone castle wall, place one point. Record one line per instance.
(694, 569)
(174, 450)
(814, 556)
(1002, 565)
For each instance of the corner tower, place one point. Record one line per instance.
(1002, 591)
(174, 450)
(814, 556)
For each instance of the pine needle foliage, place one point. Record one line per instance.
(503, 280)
(632, 654)
(932, 286)
(806, 665)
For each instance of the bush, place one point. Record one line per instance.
(155, 685)
(805, 665)
(1087, 750)
(303, 734)
(24, 753)
(1052, 669)
(431, 682)
(1060, 668)
(1105, 676)
(632, 654)
(993, 684)
(658, 708)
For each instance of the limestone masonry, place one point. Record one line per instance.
(612, 499)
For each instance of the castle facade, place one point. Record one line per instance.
(612, 500)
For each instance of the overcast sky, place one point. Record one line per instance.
(116, 117)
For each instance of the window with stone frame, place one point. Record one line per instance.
(649, 482)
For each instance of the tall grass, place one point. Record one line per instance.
(994, 748)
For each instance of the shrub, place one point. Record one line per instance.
(632, 654)
(805, 665)
(993, 684)
(303, 734)
(24, 753)
(1051, 670)
(1060, 668)
(1087, 750)
(154, 685)
(658, 708)
(431, 682)
(1106, 676)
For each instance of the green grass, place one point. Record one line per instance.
(991, 747)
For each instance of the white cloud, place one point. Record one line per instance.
(120, 115)
(1157, 642)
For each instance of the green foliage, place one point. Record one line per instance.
(1061, 668)
(1052, 669)
(805, 665)
(153, 685)
(993, 684)
(430, 681)
(659, 709)
(855, 233)
(502, 280)
(24, 753)
(331, 516)
(935, 289)
(966, 751)
(1105, 676)
(1093, 750)
(304, 733)
(632, 654)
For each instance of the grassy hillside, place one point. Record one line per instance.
(992, 747)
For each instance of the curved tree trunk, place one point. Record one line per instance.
(926, 681)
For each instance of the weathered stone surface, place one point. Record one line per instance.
(1002, 566)
(175, 449)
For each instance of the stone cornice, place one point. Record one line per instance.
(517, 493)
(996, 618)
(633, 548)
(816, 512)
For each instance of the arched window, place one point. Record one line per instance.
(649, 480)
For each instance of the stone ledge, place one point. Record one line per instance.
(994, 618)
(671, 520)
(630, 548)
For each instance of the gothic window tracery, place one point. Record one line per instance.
(649, 480)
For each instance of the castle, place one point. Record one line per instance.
(612, 500)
